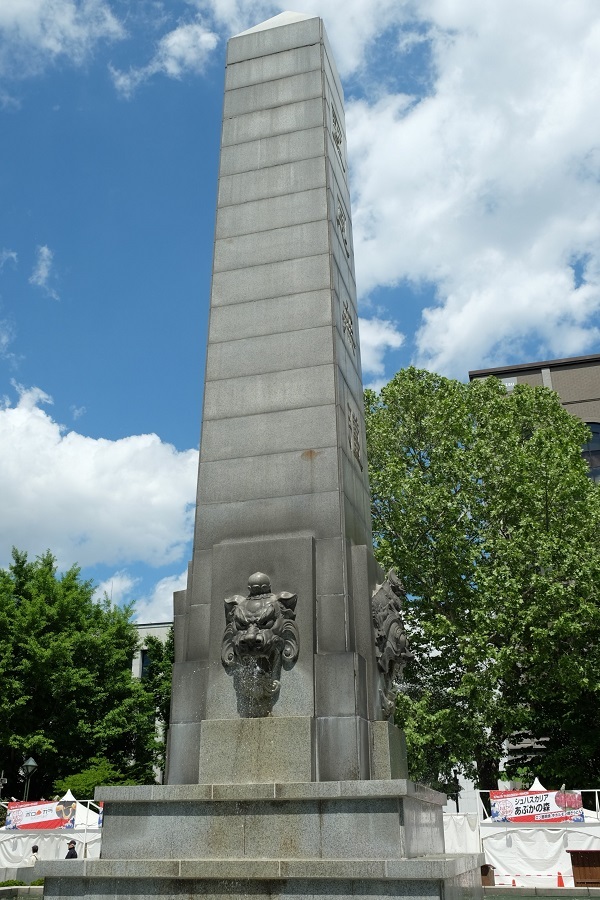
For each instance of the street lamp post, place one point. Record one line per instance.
(28, 767)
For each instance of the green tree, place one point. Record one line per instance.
(83, 784)
(68, 695)
(157, 681)
(482, 503)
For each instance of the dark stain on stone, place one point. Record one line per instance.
(310, 454)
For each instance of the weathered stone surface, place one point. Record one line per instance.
(388, 751)
(250, 750)
(267, 68)
(284, 148)
(299, 175)
(306, 348)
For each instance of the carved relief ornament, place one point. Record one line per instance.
(391, 643)
(260, 638)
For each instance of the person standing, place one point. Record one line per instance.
(33, 857)
(71, 852)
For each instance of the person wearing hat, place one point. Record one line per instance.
(71, 852)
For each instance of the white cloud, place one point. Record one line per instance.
(43, 270)
(158, 606)
(155, 606)
(6, 256)
(352, 25)
(7, 335)
(489, 187)
(184, 50)
(118, 588)
(34, 33)
(376, 337)
(91, 501)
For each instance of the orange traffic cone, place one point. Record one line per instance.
(560, 882)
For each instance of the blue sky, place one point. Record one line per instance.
(474, 150)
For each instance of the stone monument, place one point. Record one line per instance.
(284, 776)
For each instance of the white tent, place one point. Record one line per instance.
(16, 843)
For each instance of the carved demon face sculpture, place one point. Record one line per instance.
(260, 638)
(391, 643)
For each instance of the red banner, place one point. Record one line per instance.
(41, 815)
(536, 806)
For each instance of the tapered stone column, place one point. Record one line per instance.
(284, 779)
(282, 486)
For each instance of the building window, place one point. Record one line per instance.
(591, 451)
(145, 663)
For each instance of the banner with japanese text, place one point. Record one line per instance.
(21, 815)
(536, 806)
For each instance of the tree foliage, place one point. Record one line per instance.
(68, 696)
(482, 503)
(83, 784)
(157, 681)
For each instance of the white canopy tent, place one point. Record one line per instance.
(16, 843)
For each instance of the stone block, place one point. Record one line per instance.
(230, 869)
(278, 245)
(274, 66)
(268, 94)
(270, 392)
(286, 278)
(127, 868)
(243, 792)
(268, 475)
(275, 315)
(167, 793)
(388, 751)
(339, 749)
(330, 563)
(363, 634)
(423, 828)
(183, 753)
(274, 151)
(331, 624)
(264, 42)
(348, 359)
(333, 78)
(235, 751)
(283, 830)
(173, 831)
(60, 867)
(338, 178)
(316, 514)
(180, 632)
(200, 578)
(252, 356)
(340, 870)
(273, 212)
(198, 632)
(309, 790)
(189, 692)
(300, 175)
(275, 432)
(179, 603)
(336, 677)
(267, 123)
(125, 794)
(358, 826)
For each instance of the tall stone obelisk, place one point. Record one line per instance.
(282, 486)
(284, 780)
